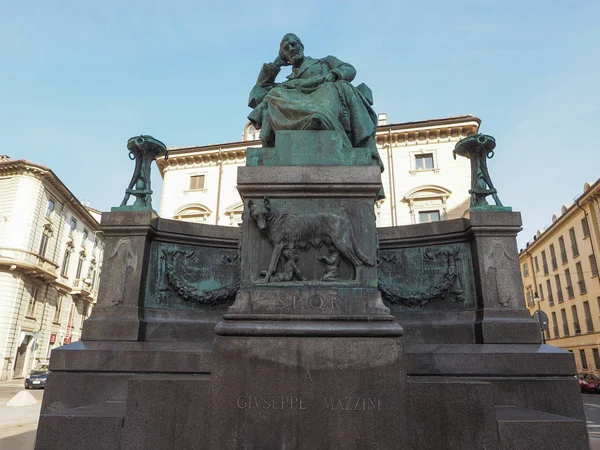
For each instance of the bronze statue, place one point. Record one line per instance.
(317, 95)
(143, 149)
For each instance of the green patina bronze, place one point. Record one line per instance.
(478, 148)
(311, 148)
(318, 95)
(143, 149)
(433, 277)
(191, 277)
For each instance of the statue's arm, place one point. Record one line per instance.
(342, 70)
(264, 83)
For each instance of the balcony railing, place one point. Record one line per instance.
(30, 263)
(570, 292)
(82, 287)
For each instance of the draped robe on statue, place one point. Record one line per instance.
(307, 102)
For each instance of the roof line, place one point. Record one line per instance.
(393, 126)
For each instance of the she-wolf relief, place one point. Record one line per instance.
(423, 277)
(290, 233)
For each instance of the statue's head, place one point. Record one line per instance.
(291, 49)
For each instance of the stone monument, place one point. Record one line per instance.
(313, 329)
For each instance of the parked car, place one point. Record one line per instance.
(37, 377)
(592, 380)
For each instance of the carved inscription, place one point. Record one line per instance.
(352, 403)
(313, 302)
(271, 402)
(298, 402)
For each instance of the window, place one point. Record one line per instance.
(596, 358)
(550, 296)
(584, 364)
(429, 216)
(544, 262)
(79, 267)
(575, 320)
(95, 246)
(193, 213)
(569, 286)
(31, 306)
(50, 209)
(65, 265)
(585, 227)
(559, 292)
(43, 244)
(555, 325)
(573, 242)
(535, 262)
(588, 317)
(72, 226)
(563, 251)
(85, 236)
(196, 182)
(58, 309)
(525, 270)
(593, 266)
(563, 316)
(424, 161)
(529, 297)
(541, 291)
(85, 312)
(92, 277)
(553, 257)
(580, 280)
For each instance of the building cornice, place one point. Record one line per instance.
(409, 133)
(591, 193)
(22, 167)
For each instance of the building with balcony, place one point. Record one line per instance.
(422, 180)
(50, 262)
(559, 268)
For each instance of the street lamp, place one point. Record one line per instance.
(541, 316)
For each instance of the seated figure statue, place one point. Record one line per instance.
(317, 95)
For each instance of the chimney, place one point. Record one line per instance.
(382, 119)
(4, 158)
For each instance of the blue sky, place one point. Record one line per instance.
(80, 78)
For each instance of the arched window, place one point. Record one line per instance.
(193, 213)
(250, 133)
(427, 203)
(234, 212)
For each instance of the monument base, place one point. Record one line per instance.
(346, 391)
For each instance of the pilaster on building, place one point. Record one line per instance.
(50, 262)
(422, 180)
(559, 268)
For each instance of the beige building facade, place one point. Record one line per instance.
(422, 180)
(559, 268)
(50, 262)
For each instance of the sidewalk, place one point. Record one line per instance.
(18, 424)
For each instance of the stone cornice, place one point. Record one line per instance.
(22, 167)
(589, 195)
(410, 133)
